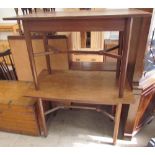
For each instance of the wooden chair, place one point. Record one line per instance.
(7, 69)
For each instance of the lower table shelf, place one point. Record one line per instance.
(93, 87)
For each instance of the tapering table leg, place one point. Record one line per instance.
(27, 35)
(117, 122)
(42, 118)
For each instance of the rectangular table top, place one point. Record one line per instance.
(92, 87)
(84, 14)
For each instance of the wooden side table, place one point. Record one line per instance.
(104, 20)
(83, 87)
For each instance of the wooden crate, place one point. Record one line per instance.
(17, 113)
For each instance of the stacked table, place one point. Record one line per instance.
(95, 88)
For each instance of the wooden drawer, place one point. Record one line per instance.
(86, 58)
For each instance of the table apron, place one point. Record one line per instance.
(111, 24)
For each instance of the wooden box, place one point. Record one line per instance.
(17, 113)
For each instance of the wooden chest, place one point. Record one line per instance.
(17, 113)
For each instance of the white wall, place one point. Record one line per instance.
(6, 12)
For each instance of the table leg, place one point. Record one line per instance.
(45, 40)
(27, 35)
(42, 118)
(125, 54)
(119, 53)
(117, 122)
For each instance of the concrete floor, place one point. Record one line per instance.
(78, 128)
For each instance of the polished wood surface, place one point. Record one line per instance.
(18, 44)
(92, 87)
(106, 13)
(138, 110)
(117, 122)
(93, 66)
(19, 119)
(94, 23)
(8, 27)
(13, 91)
(139, 41)
(23, 68)
(17, 113)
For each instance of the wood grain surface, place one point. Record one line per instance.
(106, 13)
(92, 87)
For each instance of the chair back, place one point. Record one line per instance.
(35, 10)
(7, 69)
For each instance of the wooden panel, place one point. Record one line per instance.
(81, 87)
(131, 117)
(133, 47)
(97, 58)
(97, 40)
(137, 111)
(75, 40)
(59, 61)
(145, 101)
(93, 66)
(86, 58)
(97, 43)
(60, 43)
(20, 56)
(135, 68)
(21, 126)
(12, 92)
(104, 13)
(139, 36)
(22, 64)
(17, 114)
(75, 25)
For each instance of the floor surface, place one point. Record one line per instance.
(78, 128)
